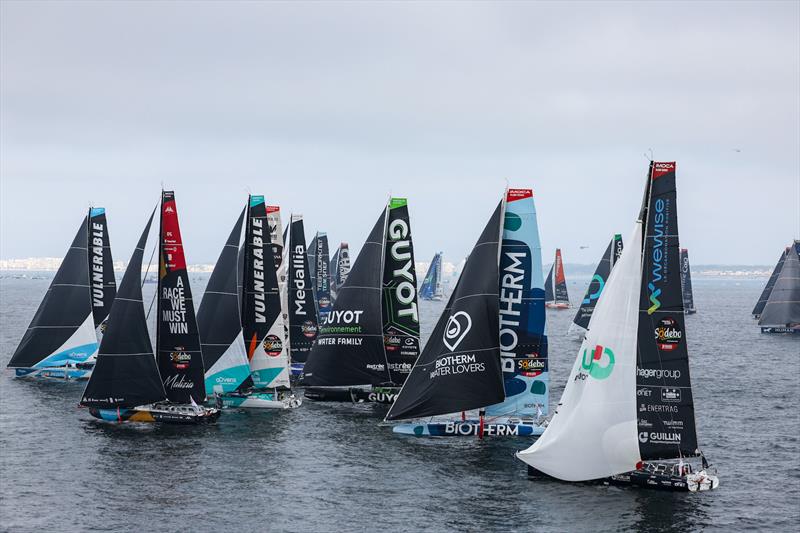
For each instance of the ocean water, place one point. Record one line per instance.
(328, 467)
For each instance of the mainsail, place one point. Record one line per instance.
(321, 276)
(62, 331)
(178, 352)
(350, 348)
(783, 306)
(460, 369)
(686, 282)
(126, 374)
(560, 282)
(595, 289)
(762, 300)
(219, 321)
(400, 309)
(629, 395)
(523, 338)
(340, 269)
(261, 306)
(549, 292)
(302, 314)
(101, 265)
(432, 284)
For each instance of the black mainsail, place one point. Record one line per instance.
(350, 349)
(762, 300)
(400, 305)
(782, 310)
(302, 311)
(549, 293)
(62, 330)
(456, 371)
(686, 283)
(126, 374)
(595, 288)
(101, 265)
(178, 351)
(666, 419)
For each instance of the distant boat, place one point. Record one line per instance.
(629, 397)
(244, 344)
(488, 351)
(781, 314)
(301, 309)
(370, 340)
(128, 383)
(339, 269)
(432, 284)
(762, 300)
(555, 286)
(595, 288)
(62, 339)
(686, 283)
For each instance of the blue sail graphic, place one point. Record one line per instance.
(523, 338)
(433, 280)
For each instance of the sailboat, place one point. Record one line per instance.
(62, 339)
(628, 404)
(762, 300)
(301, 312)
(431, 289)
(340, 269)
(556, 285)
(128, 383)
(595, 288)
(488, 351)
(243, 340)
(370, 340)
(781, 313)
(686, 283)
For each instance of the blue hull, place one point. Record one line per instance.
(54, 373)
(468, 428)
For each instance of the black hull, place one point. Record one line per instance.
(689, 311)
(781, 330)
(380, 395)
(629, 479)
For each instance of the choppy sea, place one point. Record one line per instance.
(327, 467)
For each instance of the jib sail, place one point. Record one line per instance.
(101, 266)
(762, 300)
(350, 349)
(523, 339)
(664, 389)
(595, 289)
(180, 359)
(400, 305)
(62, 330)
(302, 311)
(549, 292)
(340, 268)
(459, 369)
(560, 280)
(219, 321)
(322, 288)
(261, 308)
(686, 281)
(126, 374)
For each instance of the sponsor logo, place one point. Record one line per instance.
(466, 429)
(410, 341)
(658, 254)
(512, 285)
(654, 437)
(599, 363)
(324, 302)
(596, 294)
(644, 391)
(223, 379)
(178, 381)
(381, 397)
(405, 290)
(273, 345)
(657, 408)
(343, 317)
(458, 325)
(449, 365)
(668, 334)
(658, 373)
(97, 265)
(670, 395)
(258, 288)
(175, 315)
(180, 359)
(377, 367)
(644, 423)
(309, 329)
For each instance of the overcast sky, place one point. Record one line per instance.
(327, 108)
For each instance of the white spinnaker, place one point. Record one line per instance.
(230, 370)
(77, 348)
(593, 433)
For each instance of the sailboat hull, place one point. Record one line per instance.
(381, 395)
(260, 400)
(470, 428)
(769, 329)
(167, 414)
(556, 305)
(62, 373)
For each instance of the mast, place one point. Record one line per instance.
(62, 330)
(178, 351)
(459, 368)
(126, 374)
